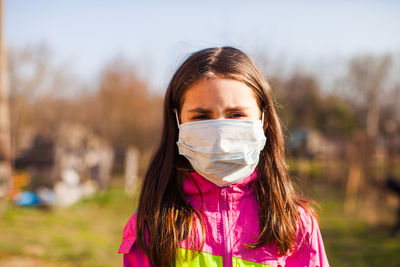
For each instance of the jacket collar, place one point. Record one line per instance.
(196, 186)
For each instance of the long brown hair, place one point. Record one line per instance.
(164, 216)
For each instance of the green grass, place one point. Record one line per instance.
(85, 234)
(349, 240)
(89, 233)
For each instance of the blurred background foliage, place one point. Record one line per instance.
(87, 143)
(351, 124)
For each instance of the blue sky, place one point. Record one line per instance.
(157, 35)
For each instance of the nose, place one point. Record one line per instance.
(219, 114)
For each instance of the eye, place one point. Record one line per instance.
(201, 117)
(237, 115)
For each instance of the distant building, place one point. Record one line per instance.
(50, 161)
(306, 142)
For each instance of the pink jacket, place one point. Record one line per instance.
(230, 216)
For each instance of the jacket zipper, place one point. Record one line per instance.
(226, 246)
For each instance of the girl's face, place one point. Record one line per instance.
(219, 98)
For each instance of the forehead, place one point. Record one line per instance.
(208, 92)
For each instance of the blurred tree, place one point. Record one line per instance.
(33, 79)
(337, 119)
(123, 110)
(367, 82)
(300, 95)
(305, 106)
(368, 86)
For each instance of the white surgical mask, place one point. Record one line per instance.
(224, 151)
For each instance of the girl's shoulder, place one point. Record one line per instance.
(133, 255)
(129, 235)
(307, 219)
(310, 247)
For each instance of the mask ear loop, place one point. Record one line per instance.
(263, 120)
(177, 118)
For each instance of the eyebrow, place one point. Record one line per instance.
(200, 110)
(237, 108)
(204, 110)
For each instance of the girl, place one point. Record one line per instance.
(217, 191)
